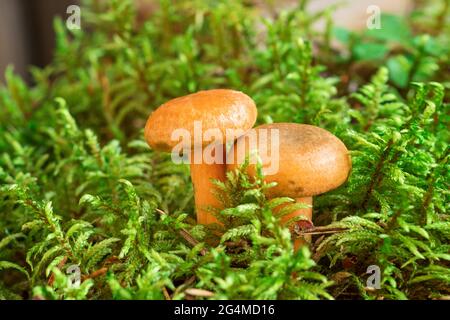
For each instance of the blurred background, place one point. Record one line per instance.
(26, 32)
(27, 38)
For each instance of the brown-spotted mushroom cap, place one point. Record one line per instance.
(219, 109)
(311, 160)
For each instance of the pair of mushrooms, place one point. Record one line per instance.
(311, 160)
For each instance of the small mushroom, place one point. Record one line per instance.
(210, 119)
(311, 161)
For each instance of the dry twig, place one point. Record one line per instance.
(187, 236)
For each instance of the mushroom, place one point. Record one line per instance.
(311, 161)
(206, 120)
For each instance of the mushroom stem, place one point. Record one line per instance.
(202, 175)
(307, 212)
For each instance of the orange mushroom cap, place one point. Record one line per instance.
(311, 160)
(220, 109)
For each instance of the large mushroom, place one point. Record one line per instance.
(311, 161)
(206, 121)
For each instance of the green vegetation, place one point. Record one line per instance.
(79, 186)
